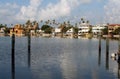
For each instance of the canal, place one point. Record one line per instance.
(58, 58)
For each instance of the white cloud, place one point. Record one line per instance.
(30, 11)
(11, 13)
(8, 12)
(51, 11)
(112, 11)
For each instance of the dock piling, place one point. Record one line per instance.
(13, 57)
(29, 50)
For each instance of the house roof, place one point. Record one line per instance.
(114, 24)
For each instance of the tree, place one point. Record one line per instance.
(34, 22)
(76, 29)
(54, 21)
(117, 31)
(105, 31)
(41, 21)
(46, 28)
(76, 24)
(90, 29)
(82, 19)
(1, 25)
(7, 30)
(28, 22)
(87, 21)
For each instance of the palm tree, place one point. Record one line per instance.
(68, 23)
(54, 21)
(28, 22)
(64, 23)
(48, 21)
(11, 24)
(87, 21)
(82, 19)
(34, 22)
(41, 21)
(75, 24)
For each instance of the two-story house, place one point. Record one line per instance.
(17, 30)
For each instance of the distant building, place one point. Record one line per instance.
(98, 28)
(2, 33)
(57, 30)
(70, 31)
(112, 27)
(17, 30)
(83, 28)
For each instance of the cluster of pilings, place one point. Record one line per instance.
(13, 54)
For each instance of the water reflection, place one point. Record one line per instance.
(107, 53)
(62, 60)
(99, 52)
(68, 66)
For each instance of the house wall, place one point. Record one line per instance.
(17, 30)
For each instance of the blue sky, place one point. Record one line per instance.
(96, 11)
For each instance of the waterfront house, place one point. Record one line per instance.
(2, 33)
(57, 31)
(32, 32)
(112, 27)
(83, 28)
(70, 32)
(97, 29)
(38, 32)
(17, 30)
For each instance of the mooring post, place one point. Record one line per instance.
(119, 57)
(100, 43)
(99, 51)
(13, 57)
(107, 51)
(119, 45)
(118, 70)
(29, 49)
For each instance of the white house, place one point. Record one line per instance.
(83, 28)
(57, 30)
(98, 28)
(70, 31)
(2, 31)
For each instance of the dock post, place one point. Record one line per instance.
(100, 43)
(107, 50)
(29, 49)
(119, 57)
(13, 57)
(119, 44)
(99, 51)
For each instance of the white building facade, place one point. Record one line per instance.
(98, 28)
(83, 28)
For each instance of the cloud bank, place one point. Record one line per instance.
(8, 12)
(11, 13)
(112, 11)
(52, 11)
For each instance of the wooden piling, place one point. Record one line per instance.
(119, 57)
(99, 58)
(107, 51)
(99, 51)
(99, 43)
(29, 50)
(13, 57)
(118, 70)
(119, 45)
